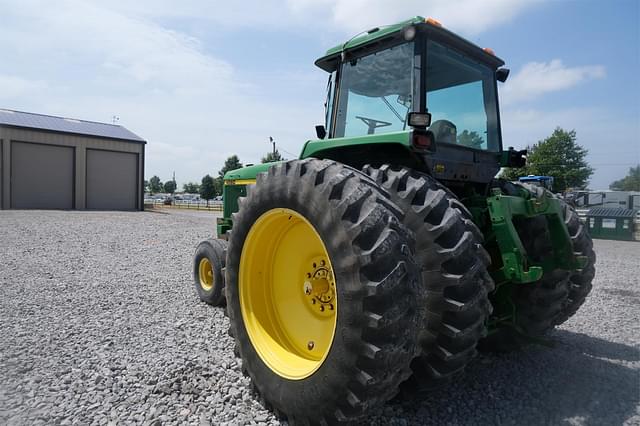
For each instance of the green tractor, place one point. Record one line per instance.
(388, 253)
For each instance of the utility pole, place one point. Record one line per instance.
(274, 145)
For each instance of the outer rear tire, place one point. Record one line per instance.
(208, 271)
(453, 271)
(378, 293)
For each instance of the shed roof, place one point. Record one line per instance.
(613, 212)
(66, 125)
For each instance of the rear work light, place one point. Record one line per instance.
(423, 140)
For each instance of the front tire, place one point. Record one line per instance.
(208, 271)
(312, 234)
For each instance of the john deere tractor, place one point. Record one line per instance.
(388, 253)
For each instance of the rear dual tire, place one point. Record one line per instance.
(579, 282)
(537, 305)
(299, 214)
(542, 305)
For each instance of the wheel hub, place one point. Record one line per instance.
(205, 272)
(319, 287)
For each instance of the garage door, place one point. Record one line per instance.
(41, 176)
(112, 179)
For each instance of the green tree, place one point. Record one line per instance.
(471, 139)
(231, 163)
(558, 156)
(145, 186)
(155, 185)
(207, 188)
(191, 188)
(219, 185)
(272, 156)
(631, 182)
(170, 186)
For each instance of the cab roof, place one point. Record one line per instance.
(329, 61)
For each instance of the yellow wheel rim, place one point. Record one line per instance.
(205, 273)
(288, 295)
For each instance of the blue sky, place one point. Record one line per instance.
(201, 80)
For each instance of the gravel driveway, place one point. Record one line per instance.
(99, 324)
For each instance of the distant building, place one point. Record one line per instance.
(49, 162)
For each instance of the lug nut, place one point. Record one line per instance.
(310, 345)
(308, 288)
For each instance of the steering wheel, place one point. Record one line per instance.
(373, 124)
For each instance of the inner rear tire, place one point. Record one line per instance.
(453, 271)
(377, 292)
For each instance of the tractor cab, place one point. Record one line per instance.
(419, 85)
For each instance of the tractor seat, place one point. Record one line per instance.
(444, 131)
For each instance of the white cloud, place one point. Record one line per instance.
(12, 86)
(469, 17)
(538, 78)
(93, 60)
(225, 14)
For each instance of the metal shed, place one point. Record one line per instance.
(49, 162)
(611, 223)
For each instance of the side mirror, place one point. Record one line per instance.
(502, 74)
(321, 132)
(513, 158)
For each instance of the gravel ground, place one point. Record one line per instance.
(99, 324)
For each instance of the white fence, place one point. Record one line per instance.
(184, 204)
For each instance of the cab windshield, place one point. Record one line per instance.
(461, 98)
(375, 93)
